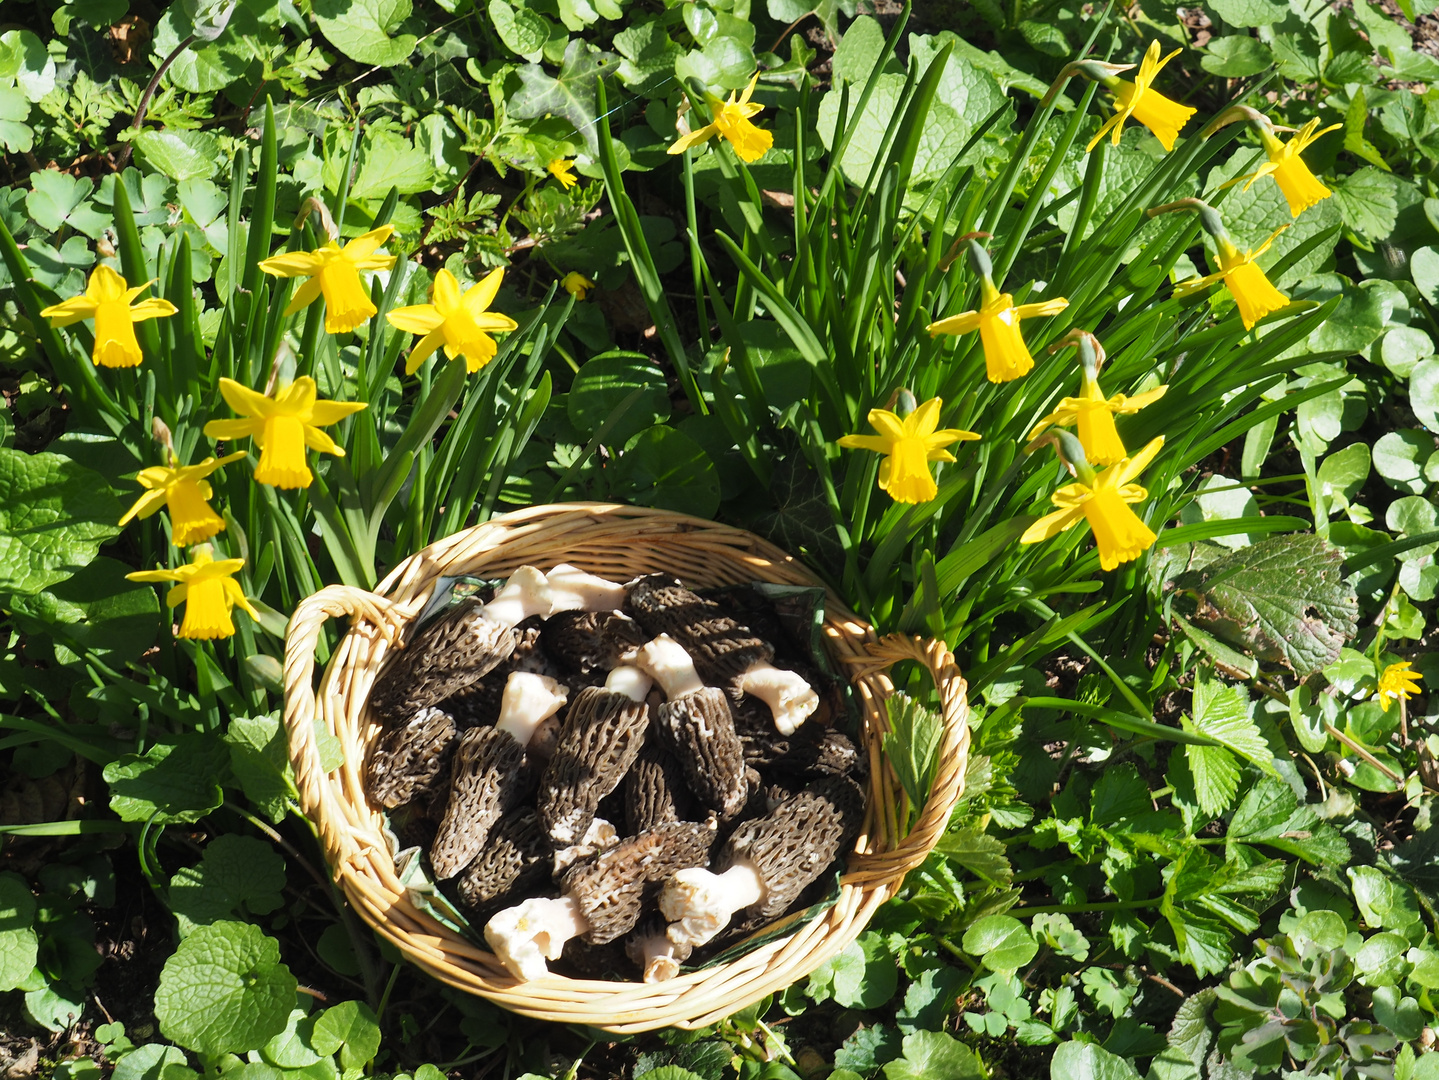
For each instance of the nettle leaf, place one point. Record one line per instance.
(1222, 712)
(19, 945)
(172, 782)
(934, 1055)
(1271, 815)
(54, 514)
(237, 876)
(224, 990)
(1285, 600)
(58, 199)
(1002, 942)
(364, 30)
(570, 94)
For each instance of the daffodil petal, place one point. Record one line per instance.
(74, 310)
(417, 319)
(154, 308)
(1051, 525)
(1132, 467)
(365, 245)
(243, 400)
(324, 413)
(292, 264)
(305, 295)
(684, 142)
(144, 506)
(963, 323)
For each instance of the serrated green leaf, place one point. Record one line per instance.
(238, 876)
(1270, 814)
(364, 30)
(54, 514)
(97, 609)
(180, 155)
(171, 783)
(260, 762)
(1250, 12)
(1235, 56)
(1369, 203)
(224, 990)
(935, 1055)
(1086, 1061)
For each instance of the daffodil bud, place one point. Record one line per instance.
(1070, 452)
(979, 261)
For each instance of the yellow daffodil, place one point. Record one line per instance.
(1119, 533)
(208, 591)
(577, 285)
(563, 171)
(731, 122)
(909, 445)
(461, 323)
(1006, 356)
(184, 491)
(1092, 415)
(1398, 682)
(334, 271)
(1163, 117)
(282, 426)
(1300, 186)
(1252, 291)
(107, 300)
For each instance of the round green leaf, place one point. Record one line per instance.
(352, 1028)
(1399, 457)
(1236, 56)
(1424, 269)
(224, 990)
(362, 29)
(1250, 12)
(613, 382)
(153, 1061)
(18, 943)
(1410, 516)
(1403, 347)
(1325, 928)
(1360, 316)
(1002, 942)
(1424, 393)
(1342, 474)
(523, 31)
(1380, 960)
(865, 973)
(665, 468)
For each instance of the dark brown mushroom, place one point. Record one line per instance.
(479, 703)
(604, 897)
(722, 649)
(655, 789)
(589, 641)
(457, 649)
(514, 863)
(699, 730)
(599, 739)
(488, 778)
(410, 761)
(766, 864)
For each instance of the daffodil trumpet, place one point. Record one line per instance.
(1006, 356)
(1102, 499)
(184, 491)
(1138, 99)
(209, 591)
(109, 300)
(1300, 187)
(283, 426)
(909, 444)
(731, 122)
(334, 273)
(1091, 414)
(1253, 292)
(461, 322)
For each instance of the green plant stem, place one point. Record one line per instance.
(1113, 905)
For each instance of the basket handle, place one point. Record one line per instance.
(302, 634)
(948, 785)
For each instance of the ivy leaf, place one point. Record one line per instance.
(800, 520)
(571, 94)
(224, 990)
(934, 1055)
(1284, 600)
(19, 945)
(1369, 202)
(238, 875)
(363, 29)
(1271, 815)
(172, 782)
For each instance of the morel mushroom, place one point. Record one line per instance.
(655, 789)
(586, 641)
(408, 762)
(791, 699)
(653, 952)
(514, 862)
(600, 836)
(603, 897)
(526, 593)
(457, 649)
(767, 863)
(479, 703)
(599, 739)
(529, 700)
(699, 730)
(488, 778)
(630, 681)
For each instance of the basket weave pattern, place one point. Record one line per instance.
(620, 543)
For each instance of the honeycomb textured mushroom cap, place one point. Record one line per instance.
(479, 703)
(722, 648)
(699, 730)
(599, 739)
(514, 863)
(655, 789)
(614, 887)
(457, 649)
(488, 778)
(586, 641)
(409, 762)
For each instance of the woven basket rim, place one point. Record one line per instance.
(596, 537)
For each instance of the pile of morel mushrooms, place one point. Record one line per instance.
(615, 776)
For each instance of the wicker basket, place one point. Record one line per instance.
(618, 542)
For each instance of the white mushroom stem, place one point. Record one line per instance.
(665, 659)
(575, 590)
(529, 700)
(790, 698)
(600, 836)
(698, 904)
(630, 681)
(528, 934)
(657, 955)
(526, 593)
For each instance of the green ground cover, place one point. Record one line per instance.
(292, 290)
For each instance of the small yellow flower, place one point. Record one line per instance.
(185, 492)
(282, 426)
(1398, 682)
(210, 590)
(1300, 186)
(334, 271)
(1006, 356)
(1252, 291)
(563, 171)
(107, 300)
(731, 122)
(577, 285)
(1092, 414)
(1163, 117)
(909, 445)
(458, 322)
(1119, 533)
